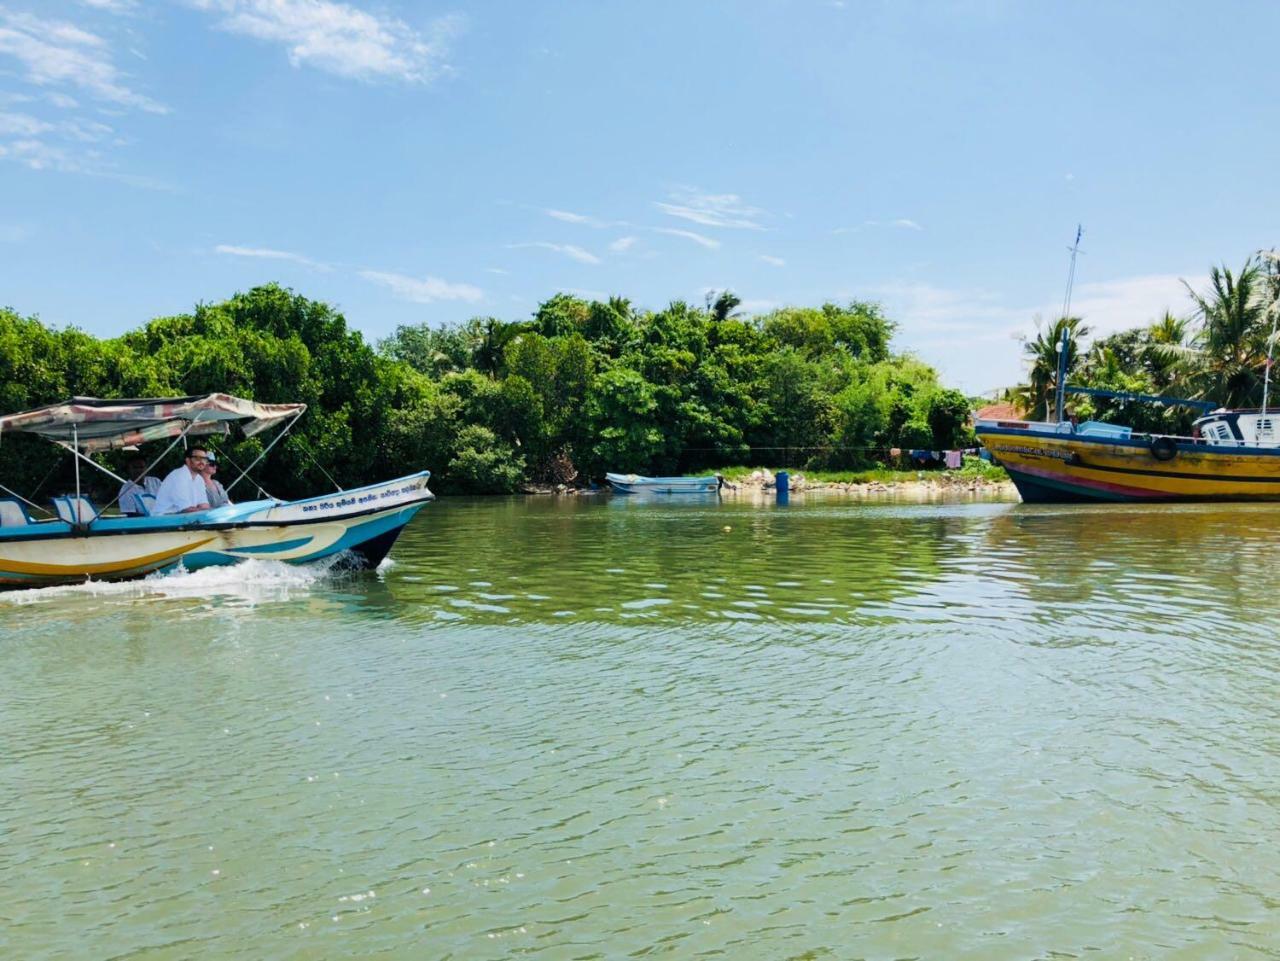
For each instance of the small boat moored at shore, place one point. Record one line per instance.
(638, 484)
(83, 542)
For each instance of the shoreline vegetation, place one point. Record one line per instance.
(583, 387)
(976, 476)
(580, 388)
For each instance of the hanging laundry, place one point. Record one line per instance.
(954, 459)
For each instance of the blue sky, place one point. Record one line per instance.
(416, 162)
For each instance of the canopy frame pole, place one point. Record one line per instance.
(78, 523)
(279, 437)
(109, 473)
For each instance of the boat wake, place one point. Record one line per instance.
(248, 582)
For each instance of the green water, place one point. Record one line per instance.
(594, 728)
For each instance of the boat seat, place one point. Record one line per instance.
(75, 510)
(148, 502)
(13, 513)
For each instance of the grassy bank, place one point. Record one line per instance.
(974, 471)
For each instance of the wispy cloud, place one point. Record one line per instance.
(1106, 306)
(904, 223)
(712, 210)
(622, 244)
(58, 53)
(773, 261)
(423, 290)
(112, 6)
(569, 250)
(266, 253)
(571, 218)
(705, 241)
(341, 39)
(758, 306)
(972, 333)
(496, 270)
(22, 125)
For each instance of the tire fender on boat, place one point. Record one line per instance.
(1164, 448)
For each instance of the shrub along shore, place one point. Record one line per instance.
(492, 406)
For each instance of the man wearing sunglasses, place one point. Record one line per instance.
(183, 491)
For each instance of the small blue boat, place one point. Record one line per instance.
(637, 484)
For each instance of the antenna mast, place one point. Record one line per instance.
(1066, 312)
(1273, 282)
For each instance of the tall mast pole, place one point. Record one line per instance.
(1063, 342)
(1273, 284)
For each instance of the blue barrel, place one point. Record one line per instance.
(782, 485)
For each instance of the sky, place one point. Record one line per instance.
(424, 162)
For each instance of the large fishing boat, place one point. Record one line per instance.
(1230, 455)
(83, 541)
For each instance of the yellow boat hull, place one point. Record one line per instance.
(1051, 466)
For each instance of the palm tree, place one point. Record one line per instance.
(1042, 378)
(723, 307)
(1167, 353)
(1231, 343)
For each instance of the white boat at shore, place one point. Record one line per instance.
(84, 542)
(638, 484)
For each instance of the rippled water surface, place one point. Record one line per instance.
(611, 728)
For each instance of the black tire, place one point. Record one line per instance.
(1164, 448)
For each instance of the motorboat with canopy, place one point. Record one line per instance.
(83, 541)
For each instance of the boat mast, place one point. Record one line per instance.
(1273, 282)
(1066, 312)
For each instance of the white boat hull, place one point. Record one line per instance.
(364, 522)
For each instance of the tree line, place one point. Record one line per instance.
(581, 387)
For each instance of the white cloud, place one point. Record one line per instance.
(1111, 305)
(22, 125)
(622, 244)
(569, 250)
(54, 52)
(266, 253)
(425, 290)
(570, 218)
(773, 261)
(39, 155)
(972, 334)
(339, 38)
(758, 306)
(112, 6)
(712, 210)
(908, 224)
(496, 270)
(705, 241)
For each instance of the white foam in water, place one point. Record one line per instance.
(252, 581)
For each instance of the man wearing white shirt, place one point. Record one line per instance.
(183, 491)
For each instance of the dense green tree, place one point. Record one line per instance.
(583, 386)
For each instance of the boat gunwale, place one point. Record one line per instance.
(13, 535)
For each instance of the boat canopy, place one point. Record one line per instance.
(94, 424)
